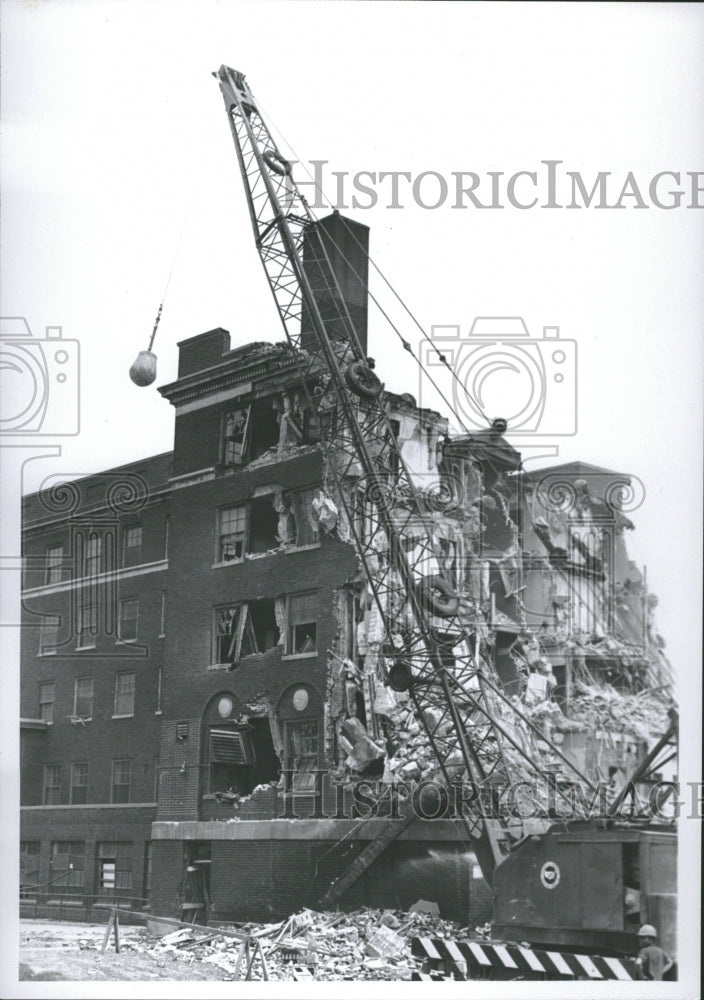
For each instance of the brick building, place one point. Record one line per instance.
(197, 624)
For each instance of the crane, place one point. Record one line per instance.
(434, 636)
(436, 653)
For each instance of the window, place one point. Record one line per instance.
(232, 533)
(79, 784)
(250, 431)
(244, 630)
(129, 615)
(132, 546)
(48, 636)
(54, 564)
(92, 556)
(46, 702)
(67, 865)
(52, 785)
(121, 780)
(87, 624)
(235, 435)
(83, 698)
(263, 525)
(29, 865)
(114, 867)
(125, 685)
(302, 623)
(302, 742)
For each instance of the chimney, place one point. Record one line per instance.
(346, 244)
(203, 351)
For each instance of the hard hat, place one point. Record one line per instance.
(647, 930)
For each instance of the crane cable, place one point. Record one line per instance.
(143, 370)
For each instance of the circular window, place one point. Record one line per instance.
(300, 699)
(224, 707)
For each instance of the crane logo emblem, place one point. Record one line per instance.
(550, 875)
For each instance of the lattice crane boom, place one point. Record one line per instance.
(456, 701)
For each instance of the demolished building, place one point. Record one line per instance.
(207, 674)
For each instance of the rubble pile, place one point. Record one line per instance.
(644, 715)
(367, 944)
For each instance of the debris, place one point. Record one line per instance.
(385, 943)
(425, 906)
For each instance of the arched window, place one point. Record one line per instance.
(238, 747)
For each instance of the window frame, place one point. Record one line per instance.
(76, 861)
(221, 535)
(289, 645)
(298, 785)
(53, 565)
(132, 560)
(93, 554)
(76, 713)
(87, 637)
(25, 856)
(243, 457)
(55, 770)
(46, 701)
(113, 853)
(123, 784)
(117, 694)
(84, 784)
(122, 619)
(49, 627)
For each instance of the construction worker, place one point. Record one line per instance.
(652, 961)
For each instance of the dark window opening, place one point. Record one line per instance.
(302, 623)
(241, 757)
(114, 875)
(505, 666)
(263, 525)
(52, 785)
(245, 630)
(302, 423)
(264, 421)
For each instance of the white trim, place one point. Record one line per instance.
(130, 715)
(300, 656)
(97, 578)
(192, 478)
(211, 398)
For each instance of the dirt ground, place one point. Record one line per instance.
(56, 951)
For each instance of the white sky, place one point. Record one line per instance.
(114, 127)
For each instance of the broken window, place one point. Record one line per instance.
(302, 426)
(250, 431)
(302, 746)
(235, 436)
(301, 506)
(244, 630)
(302, 623)
(263, 525)
(230, 746)
(114, 867)
(54, 564)
(83, 698)
(232, 533)
(79, 784)
(67, 865)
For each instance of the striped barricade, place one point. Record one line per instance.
(484, 960)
